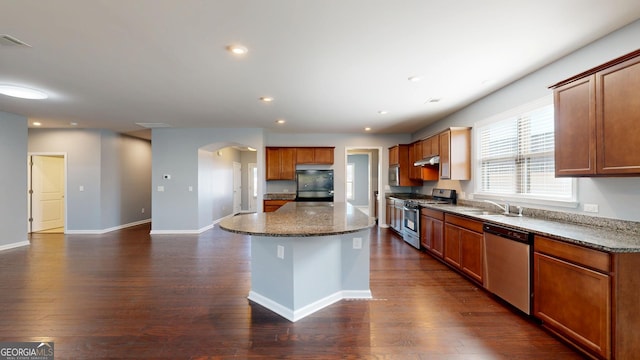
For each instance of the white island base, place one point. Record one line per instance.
(297, 276)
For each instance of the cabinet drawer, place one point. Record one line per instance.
(432, 213)
(464, 222)
(589, 258)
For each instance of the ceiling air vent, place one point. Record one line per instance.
(8, 40)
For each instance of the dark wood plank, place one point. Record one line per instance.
(127, 294)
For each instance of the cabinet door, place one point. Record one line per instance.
(437, 237)
(398, 217)
(389, 216)
(452, 245)
(287, 163)
(415, 154)
(281, 163)
(273, 163)
(394, 155)
(305, 155)
(575, 128)
(573, 301)
(425, 148)
(471, 254)
(618, 118)
(435, 145)
(323, 156)
(445, 160)
(425, 232)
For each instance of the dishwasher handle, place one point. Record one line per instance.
(507, 233)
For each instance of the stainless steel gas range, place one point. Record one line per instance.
(411, 214)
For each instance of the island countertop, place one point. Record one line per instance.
(301, 219)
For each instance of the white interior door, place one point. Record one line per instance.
(237, 187)
(47, 186)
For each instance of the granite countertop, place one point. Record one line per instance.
(609, 238)
(301, 219)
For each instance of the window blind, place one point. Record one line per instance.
(517, 156)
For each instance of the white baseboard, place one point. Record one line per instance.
(295, 315)
(14, 245)
(104, 231)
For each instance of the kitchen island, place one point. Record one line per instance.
(306, 256)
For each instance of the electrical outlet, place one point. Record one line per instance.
(357, 243)
(280, 252)
(142, 211)
(591, 208)
(462, 195)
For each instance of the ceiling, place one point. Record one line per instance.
(330, 65)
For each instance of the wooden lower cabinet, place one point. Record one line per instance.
(394, 214)
(273, 205)
(432, 231)
(588, 297)
(463, 245)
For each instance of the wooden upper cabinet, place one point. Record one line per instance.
(400, 155)
(281, 163)
(394, 155)
(431, 146)
(618, 118)
(415, 154)
(575, 128)
(596, 120)
(455, 154)
(314, 155)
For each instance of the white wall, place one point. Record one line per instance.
(13, 181)
(617, 197)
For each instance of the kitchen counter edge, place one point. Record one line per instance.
(598, 238)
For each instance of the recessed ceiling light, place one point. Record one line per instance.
(367, 129)
(383, 112)
(36, 123)
(432, 100)
(237, 49)
(22, 92)
(414, 78)
(280, 121)
(266, 99)
(73, 124)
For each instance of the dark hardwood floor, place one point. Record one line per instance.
(129, 295)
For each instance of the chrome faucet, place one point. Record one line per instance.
(504, 208)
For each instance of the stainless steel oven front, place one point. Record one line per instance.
(411, 223)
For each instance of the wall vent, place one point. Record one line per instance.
(8, 40)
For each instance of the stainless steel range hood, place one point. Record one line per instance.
(434, 160)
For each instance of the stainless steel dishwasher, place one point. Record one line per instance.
(507, 265)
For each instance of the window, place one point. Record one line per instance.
(350, 171)
(516, 155)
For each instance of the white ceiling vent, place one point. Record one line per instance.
(153, 125)
(8, 40)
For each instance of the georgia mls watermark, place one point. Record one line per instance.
(26, 350)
